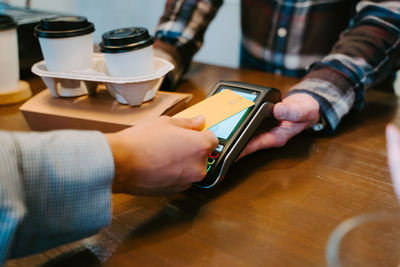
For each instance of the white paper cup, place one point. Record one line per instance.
(128, 52)
(9, 64)
(67, 46)
(130, 64)
(68, 54)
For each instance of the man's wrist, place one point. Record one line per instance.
(114, 146)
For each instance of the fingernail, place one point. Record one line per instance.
(199, 119)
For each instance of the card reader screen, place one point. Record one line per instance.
(225, 128)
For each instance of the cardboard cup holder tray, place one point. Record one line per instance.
(127, 90)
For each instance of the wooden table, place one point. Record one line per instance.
(276, 207)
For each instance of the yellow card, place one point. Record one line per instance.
(217, 108)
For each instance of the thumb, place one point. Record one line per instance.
(285, 112)
(196, 123)
(280, 111)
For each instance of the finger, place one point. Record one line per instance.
(281, 134)
(393, 152)
(277, 137)
(257, 143)
(196, 123)
(196, 172)
(211, 139)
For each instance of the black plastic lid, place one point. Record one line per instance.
(125, 39)
(63, 26)
(7, 22)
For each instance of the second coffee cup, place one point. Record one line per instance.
(128, 52)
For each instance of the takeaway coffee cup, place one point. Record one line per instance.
(66, 43)
(128, 52)
(9, 64)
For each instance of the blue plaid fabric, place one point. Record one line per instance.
(339, 47)
(55, 188)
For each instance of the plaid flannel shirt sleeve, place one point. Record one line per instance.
(366, 53)
(55, 188)
(181, 29)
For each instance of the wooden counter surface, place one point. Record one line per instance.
(276, 207)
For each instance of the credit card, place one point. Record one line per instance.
(217, 108)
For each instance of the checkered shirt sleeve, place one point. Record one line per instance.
(367, 52)
(55, 188)
(340, 48)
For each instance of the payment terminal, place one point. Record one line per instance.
(235, 132)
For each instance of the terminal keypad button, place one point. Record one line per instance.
(212, 156)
